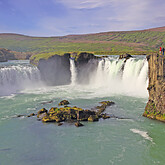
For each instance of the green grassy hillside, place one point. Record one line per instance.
(134, 42)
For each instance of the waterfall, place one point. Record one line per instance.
(115, 76)
(73, 72)
(18, 77)
(111, 76)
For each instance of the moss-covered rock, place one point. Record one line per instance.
(64, 102)
(93, 118)
(155, 108)
(67, 113)
(41, 113)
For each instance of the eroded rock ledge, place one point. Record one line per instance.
(155, 108)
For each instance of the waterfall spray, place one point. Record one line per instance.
(18, 77)
(73, 72)
(119, 77)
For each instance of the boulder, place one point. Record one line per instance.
(64, 102)
(125, 56)
(42, 113)
(105, 116)
(59, 124)
(78, 124)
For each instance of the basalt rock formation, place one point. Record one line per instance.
(55, 70)
(86, 63)
(155, 108)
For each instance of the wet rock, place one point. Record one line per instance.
(78, 124)
(126, 55)
(59, 124)
(107, 103)
(93, 118)
(68, 114)
(47, 119)
(32, 114)
(101, 109)
(105, 116)
(42, 113)
(20, 115)
(47, 102)
(83, 115)
(64, 102)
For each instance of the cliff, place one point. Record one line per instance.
(6, 54)
(155, 108)
(86, 64)
(55, 70)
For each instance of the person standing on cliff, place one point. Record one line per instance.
(163, 51)
(160, 50)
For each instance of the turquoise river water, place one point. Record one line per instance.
(130, 139)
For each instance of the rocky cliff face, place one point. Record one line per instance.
(6, 55)
(155, 108)
(55, 70)
(86, 63)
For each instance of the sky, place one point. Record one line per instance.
(64, 17)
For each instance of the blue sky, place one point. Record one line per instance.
(63, 17)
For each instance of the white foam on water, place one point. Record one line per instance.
(144, 134)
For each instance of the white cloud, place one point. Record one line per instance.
(105, 15)
(85, 4)
(91, 16)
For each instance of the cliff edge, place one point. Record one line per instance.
(155, 108)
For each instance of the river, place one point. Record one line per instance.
(126, 140)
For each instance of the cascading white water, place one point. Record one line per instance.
(18, 77)
(73, 72)
(115, 76)
(112, 76)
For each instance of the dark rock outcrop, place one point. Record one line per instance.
(78, 124)
(86, 64)
(125, 56)
(64, 102)
(55, 70)
(155, 108)
(2, 57)
(73, 114)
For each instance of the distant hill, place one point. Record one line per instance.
(6, 55)
(141, 41)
